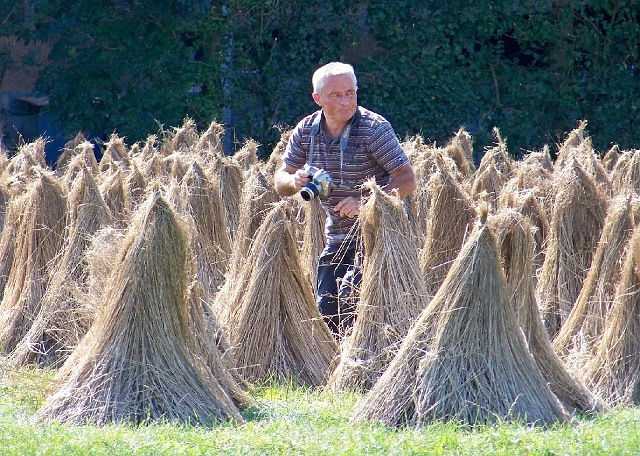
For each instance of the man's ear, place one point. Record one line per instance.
(316, 98)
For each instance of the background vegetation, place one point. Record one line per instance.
(533, 68)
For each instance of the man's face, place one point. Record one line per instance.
(338, 98)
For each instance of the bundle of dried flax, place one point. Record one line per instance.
(392, 293)
(465, 359)
(276, 329)
(138, 363)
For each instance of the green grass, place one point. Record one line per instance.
(290, 421)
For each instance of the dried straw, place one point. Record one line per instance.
(576, 224)
(247, 156)
(229, 175)
(585, 323)
(465, 359)
(209, 144)
(614, 371)
(392, 293)
(450, 215)
(257, 197)
(115, 155)
(116, 198)
(200, 202)
(525, 203)
(275, 159)
(135, 186)
(515, 242)
(460, 149)
(40, 235)
(182, 138)
(214, 349)
(314, 239)
(83, 158)
(68, 152)
(62, 320)
(610, 158)
(139, 361)
(8, 238)
(276, 328)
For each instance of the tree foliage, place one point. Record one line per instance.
(533, 68)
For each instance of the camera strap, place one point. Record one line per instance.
(344, 140)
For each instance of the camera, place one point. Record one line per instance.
(320, 184)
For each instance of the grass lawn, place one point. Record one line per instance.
(289, 421)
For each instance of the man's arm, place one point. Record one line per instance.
(288, 180)
(403, 180)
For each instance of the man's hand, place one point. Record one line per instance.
(289, 180)
(300, 179)
(348, 207)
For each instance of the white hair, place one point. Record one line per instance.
(332, 69)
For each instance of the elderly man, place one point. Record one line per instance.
(353, 145)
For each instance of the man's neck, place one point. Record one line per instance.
(334, 129)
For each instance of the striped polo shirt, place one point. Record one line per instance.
(373, 150)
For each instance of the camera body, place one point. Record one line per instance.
(321, 183)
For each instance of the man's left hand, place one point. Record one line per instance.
(348, 207)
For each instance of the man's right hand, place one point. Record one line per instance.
(300, 179)
(289, 180)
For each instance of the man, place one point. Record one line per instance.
(353, 145)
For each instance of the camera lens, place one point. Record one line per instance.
(309, 191)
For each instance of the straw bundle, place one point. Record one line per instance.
(115, 155)
(139, 361)
(593, 304)
(314, 239)
(487, 184)
(5, 197)
(578, 217)
(135, 186)
(529, 206)
(465, 359)
(460, 149)
(575, 139)
(247, 156)
(177, 164)
(209, 144)
(116, 198)
(413, 147)
(8, 238)
(631, 181)
(514, 239)
(230, 177)
(498, 157)
(214, 348)
(200, 202)
(274, 162)
(392, 293)
(40, 235)
(539, 159)
(25, 166)
(148, 150)
(257, 197)
(450, 214)
(68, 152)
(610, 158)
(619, 173)
(614, 371)
(83, 159)
(62, 320)
(276, 328)
(182, 138)
(579, 147)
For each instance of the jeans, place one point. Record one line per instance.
(338, 279)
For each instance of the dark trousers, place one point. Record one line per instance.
(338, 279)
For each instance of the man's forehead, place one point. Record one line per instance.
(337, 83)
